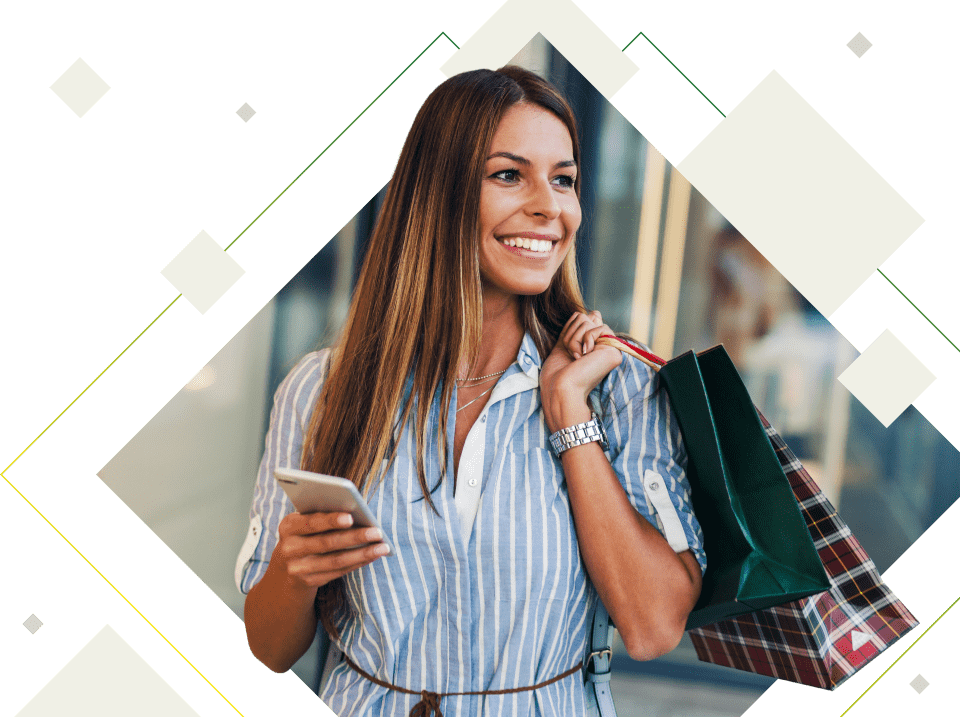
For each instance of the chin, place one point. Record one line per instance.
(530, 289)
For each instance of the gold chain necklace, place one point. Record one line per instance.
(478, 378)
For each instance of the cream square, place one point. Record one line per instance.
(859, 44)
(80, 87)
(562, 24)
(804, 197)
(887, 378)
(202, 272)
(107, 678)
(33, 624)
(246, 112)
(919, 683)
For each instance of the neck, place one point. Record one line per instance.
(501, 336)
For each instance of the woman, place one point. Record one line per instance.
(467, 346)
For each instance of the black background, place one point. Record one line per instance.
(101, 204)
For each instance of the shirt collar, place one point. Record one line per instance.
(528, 357)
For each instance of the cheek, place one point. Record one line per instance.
(572, 216)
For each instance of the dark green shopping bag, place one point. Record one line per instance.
(758, 546)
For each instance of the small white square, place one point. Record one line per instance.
(859, 44)
(887, 378)
(919, 683)
(33, 623)
(202, 272)
(80, 87)
(246, 112)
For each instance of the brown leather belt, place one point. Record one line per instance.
(429, 704)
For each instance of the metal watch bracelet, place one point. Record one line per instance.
(579, 434)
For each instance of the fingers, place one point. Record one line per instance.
(317, 548)
(333, 541)
(301, 524)
(317, 570)
(574, 332)
(591, 335)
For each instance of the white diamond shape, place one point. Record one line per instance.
(828, 267)
(886, 378)
(246, 112)
(33, 623)
(563, 24)
(919, 684)
(859, 44)
(107, 678)
(80, 87)
(858, 639)
(202, 272)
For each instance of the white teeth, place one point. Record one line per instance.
(534, 245)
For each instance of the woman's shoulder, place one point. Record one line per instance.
(299, 388)
(632, 379)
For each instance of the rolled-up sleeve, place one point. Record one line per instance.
(293, 405)
(647, 453)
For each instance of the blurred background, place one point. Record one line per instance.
(659, 262)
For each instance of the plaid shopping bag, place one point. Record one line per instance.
(824, 639)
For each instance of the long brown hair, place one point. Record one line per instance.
(417, 307)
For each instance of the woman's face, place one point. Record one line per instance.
(529, 211)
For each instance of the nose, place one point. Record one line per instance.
(542, 200)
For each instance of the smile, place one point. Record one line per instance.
(537, 246)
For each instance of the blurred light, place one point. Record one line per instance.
(205, 378)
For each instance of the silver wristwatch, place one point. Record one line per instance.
(579, 434)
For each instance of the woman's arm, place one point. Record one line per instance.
(648, 589)
(312, 551)
(280, 620)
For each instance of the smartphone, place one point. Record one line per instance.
(312, 492)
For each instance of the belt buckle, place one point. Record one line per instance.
(594, 654)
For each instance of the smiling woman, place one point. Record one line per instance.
(503, 452)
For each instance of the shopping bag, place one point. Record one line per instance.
(820, 640)
(824, 639)
(759, 551)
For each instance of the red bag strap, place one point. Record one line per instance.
(633, 349)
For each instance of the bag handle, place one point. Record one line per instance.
(634, 350)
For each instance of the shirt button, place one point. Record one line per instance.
(472, 482)
(483, 419)
(654, 486)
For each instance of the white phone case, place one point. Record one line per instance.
(312, 492)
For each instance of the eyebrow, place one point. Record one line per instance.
(524, 161)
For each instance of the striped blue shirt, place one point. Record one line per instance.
(492, 592)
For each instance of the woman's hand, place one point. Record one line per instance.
(315, 549)
(574, 367)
